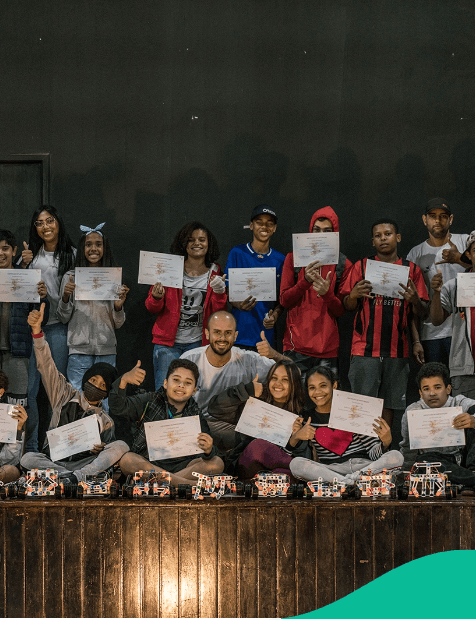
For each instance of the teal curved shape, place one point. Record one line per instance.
(434, 586)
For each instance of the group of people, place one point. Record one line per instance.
(210, 356)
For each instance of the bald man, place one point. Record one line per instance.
(222, 365)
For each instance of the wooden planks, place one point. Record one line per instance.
(224, 558)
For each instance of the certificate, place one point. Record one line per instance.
(386, 277)
(265, 421)
(256, 282)
(465, 290)
(167, 439)
(20, 285)
(354, 412)
(79, 436)
(309, 247)
(97, 283)
(164, 268)
(433, 428)
(8, 425)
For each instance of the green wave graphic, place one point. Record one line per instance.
(435, 586)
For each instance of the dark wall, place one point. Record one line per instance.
(156, 113)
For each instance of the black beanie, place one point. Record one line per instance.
(106, 371)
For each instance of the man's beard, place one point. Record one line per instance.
(220, 351)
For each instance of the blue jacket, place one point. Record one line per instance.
(20, 331)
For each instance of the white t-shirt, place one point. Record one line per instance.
(241, 368)
(425, 256)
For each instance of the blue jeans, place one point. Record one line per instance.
(56, 337)
(78, 364)
(163, 355)
(437, 350)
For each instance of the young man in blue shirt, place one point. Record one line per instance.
(251, 315)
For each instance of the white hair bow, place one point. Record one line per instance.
(87, 230)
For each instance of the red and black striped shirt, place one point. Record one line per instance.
(380, 323)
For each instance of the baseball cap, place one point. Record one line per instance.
(437, 203)
(260, 209)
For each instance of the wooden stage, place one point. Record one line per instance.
(226, 558)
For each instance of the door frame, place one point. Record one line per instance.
(34, 158)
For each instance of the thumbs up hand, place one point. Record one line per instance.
(263, 347)
(35, 319)
(437, 282)
(134, 377)
(68, 288)
(450, 256)
(218, 284)
(258, 387)
(301, 432)
(320, 285)
(26, 255)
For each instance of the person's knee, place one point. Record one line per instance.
(395, 458)
(119, 448)
(298, 466)
(28, 460)
(128, 463)
(215, 465)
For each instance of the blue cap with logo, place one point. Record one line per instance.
(260, 209)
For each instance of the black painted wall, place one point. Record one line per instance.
(157, 112)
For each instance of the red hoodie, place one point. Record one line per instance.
(168, 308)
(311, 322)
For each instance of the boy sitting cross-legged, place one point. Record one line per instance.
(173, 400)
(434, 383)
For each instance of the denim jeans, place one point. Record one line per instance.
(163, 355)
(56, 337)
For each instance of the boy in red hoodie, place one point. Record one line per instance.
(312, 297)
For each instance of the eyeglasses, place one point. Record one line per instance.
(42, 223)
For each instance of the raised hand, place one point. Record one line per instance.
(42, 290)
(383, 431)
(263, 347)
(35, 319)
(218, 284)
(258, 387)
(312, 271)
(118, 303)
(158, 291)
(133, 377)
(450, 256)
(248, 304)
(361, 289)
(68, 288)
(437, 282)
(305, 432)
(205, 442)
(409, 293)
(26, 255)
(19, 413)
(320, 285)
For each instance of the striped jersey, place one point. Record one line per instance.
(334, 446)
(380, 323)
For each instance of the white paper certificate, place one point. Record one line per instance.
(8, 425)
(386, 277)
(20, 285)
(79, 436)
(164, 268)
(97, 283)
(354, 412)
(309, 247)
(258, 282)
(433, 428)
(265, 421)
(465, 290)
(167, 439)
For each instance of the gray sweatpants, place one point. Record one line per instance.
(88, 466)
(305, 469)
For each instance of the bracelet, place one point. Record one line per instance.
(40, 335)
(416, 342)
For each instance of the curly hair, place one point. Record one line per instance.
(433, 369)
(295, 401)
(64, 248)
(3, 381)
(179, 244)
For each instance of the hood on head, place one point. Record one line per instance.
(328, 213)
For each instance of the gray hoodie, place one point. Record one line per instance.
(91, 324)
(411, 456)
